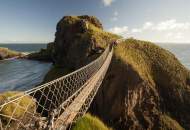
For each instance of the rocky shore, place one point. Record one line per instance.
(6, 53)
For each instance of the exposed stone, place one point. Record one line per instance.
(143, 83)
(75, 42)
(43, 54)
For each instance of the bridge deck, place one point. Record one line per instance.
(71, 95)
(72, 110)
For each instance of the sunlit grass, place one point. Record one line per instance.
(89, 122)
(12, 109)
(152, 62)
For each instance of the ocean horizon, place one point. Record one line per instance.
(24, 47)
(180, 50)
(28, 73)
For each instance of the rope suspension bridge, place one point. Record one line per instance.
(59, 103)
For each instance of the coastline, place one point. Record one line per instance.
(22, 55)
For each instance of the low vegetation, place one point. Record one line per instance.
(89, 122)
(6, 53)
(12, 110)
(152, 61)
(168, 122)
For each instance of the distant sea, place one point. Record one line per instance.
(24, 47)
(22, 74)
(180, 50)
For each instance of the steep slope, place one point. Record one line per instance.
(142, 88)
(79, 40)
(146, 87)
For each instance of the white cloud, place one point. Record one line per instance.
(172, 25)
(179, 35)
(168, 25)
(107, 2)
(115, 13)
(173, 35)
(164, 31)
(119, 30)
(114, 19)
(115, 16)
(168, 35)
(147, 25)
(136, 30)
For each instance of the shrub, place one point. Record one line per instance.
(168, 122)
(89, 122)
(12, 110)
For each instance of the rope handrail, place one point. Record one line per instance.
(54, 97)
(51, 82)
(91, 87)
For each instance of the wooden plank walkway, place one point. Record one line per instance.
(72, 110)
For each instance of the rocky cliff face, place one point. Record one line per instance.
(43, 54)
(76, 41)
(146, 87)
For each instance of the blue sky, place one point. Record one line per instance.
(154, 20)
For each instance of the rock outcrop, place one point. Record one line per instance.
(76, 40)
(146, 87)
(5, 53)
(43, 54)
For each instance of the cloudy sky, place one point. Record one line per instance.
(154, 20)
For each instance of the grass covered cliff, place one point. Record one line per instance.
(146, 87)
(142, 88)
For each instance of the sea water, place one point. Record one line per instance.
(22, 74)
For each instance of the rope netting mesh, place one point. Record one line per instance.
(58, 103)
